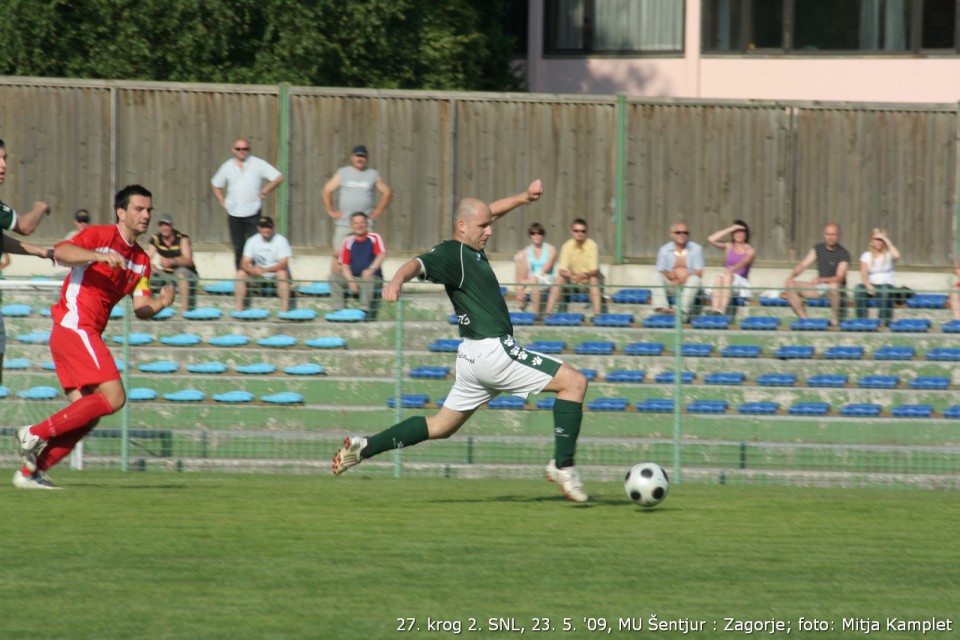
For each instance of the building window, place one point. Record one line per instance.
(830, 26)
(613, 26)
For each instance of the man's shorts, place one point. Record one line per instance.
(486, 368)
(82, 359)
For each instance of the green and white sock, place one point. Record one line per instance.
(567, 417)
(403, 434)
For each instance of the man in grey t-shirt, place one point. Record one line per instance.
(355, 185)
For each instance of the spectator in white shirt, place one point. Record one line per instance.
(876, 276)
(266, 256)
(239, 188)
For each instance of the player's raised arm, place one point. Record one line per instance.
(68, 254)
(505, 205)
(410, 270)
(14, 246)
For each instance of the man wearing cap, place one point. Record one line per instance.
(172, 256)
(81, 220)
(355, 185)
(266, 256)
(242, 176)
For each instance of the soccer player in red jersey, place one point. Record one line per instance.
(106, 264)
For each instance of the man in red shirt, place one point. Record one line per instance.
(106, 264)
(358, 266)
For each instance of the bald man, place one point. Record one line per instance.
(490, 361)
(832, 262)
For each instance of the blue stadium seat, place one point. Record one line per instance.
(207, 367)
(809, 409)
(305, 369)
(707, 406)
(507, 402)
(822, 301)
(186, 395)
(256, 369)
(878, 382)
(613, 320)
(181, 340)
(952, 412)
(589, 374)
(810, 324)
(134, 339)
(278, 341)
(546, 403)
(655, 405)
(159, 366)
(760, 324)
(435, 373)
(944, 353)
(710, 322)
(894, 353)
(740, 351)
(410, 401)
(603, 348)
(912, 411)
(229, 340)
(224, 287)
(518, 319)
(453, 319)
(733, 378)
(284, 397)
(346, 315)
(16, 310)
(624, 375)
(930, 382)
(794, 352)
(777, 380)
(116, 312)
(578, 297)
(632, 296)
(927, 301)
(668, 377)
(327, 342)
(608, 404)
(547, 346)
(42, 392)
(163, 314)
(298, 315)
(50, 366)
(774, 302)
(843, 353)
(17, 363)
(759, 408)
(910, 325)
(203, 313)
(644, 349)
(140, 394)
(951, 327)
(861, 410)
(696, 350)
(860, 324)
(234, 397)
(315, 289)
(659, 322)
(827, 380)
(564, 320)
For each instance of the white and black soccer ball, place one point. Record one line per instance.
(647, 484)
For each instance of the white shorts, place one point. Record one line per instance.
(486, 368)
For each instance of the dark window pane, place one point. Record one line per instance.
(565, 25)
(767, 24)
(515, 25)
(939, 24)
(852, 25)
(721, 28)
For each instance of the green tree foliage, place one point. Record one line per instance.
(390, 44)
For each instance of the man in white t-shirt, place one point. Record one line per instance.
(266, 256)
(242, 176)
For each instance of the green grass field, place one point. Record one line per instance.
(160, 555)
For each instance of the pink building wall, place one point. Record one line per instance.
(850, 79)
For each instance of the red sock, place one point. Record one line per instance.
(77, 414)
(58, 447)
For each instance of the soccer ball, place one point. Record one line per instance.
(647, 484)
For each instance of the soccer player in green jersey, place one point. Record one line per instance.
(490, 361)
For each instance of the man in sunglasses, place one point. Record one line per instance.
(243, 177)
(679, 264)
(578, 264)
